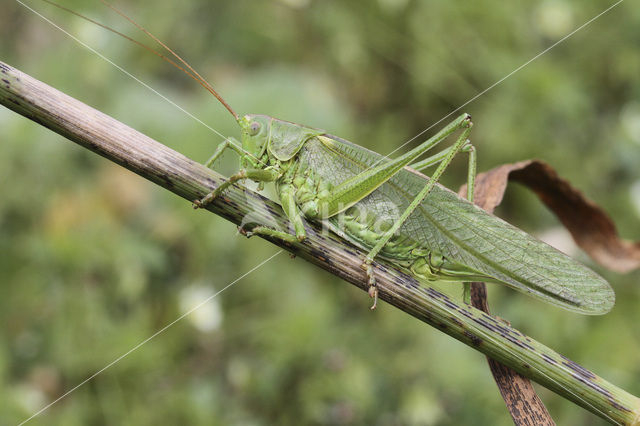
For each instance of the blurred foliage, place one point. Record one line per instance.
(93, 259)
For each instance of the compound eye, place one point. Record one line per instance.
(254, 128)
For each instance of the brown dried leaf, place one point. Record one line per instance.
(590, 226)
(524, 405)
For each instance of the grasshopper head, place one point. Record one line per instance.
(255, 130)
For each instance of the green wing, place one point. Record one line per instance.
(466, 234)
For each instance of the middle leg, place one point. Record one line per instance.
(258, 175)
(286, 191)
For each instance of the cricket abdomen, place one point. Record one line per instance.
(366, 223)
(367, 229)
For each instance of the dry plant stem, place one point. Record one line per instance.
(518, 393)
(191, 180)
(524, 405)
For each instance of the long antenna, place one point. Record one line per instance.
(189, 71)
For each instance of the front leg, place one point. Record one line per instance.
(233, 144)
(258, 175)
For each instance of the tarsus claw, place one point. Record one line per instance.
(373, 289)
(373, 292)
(243, 231)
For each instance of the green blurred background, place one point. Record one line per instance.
(94, 259)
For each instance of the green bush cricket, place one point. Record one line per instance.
(432, 233)
(392, 211)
